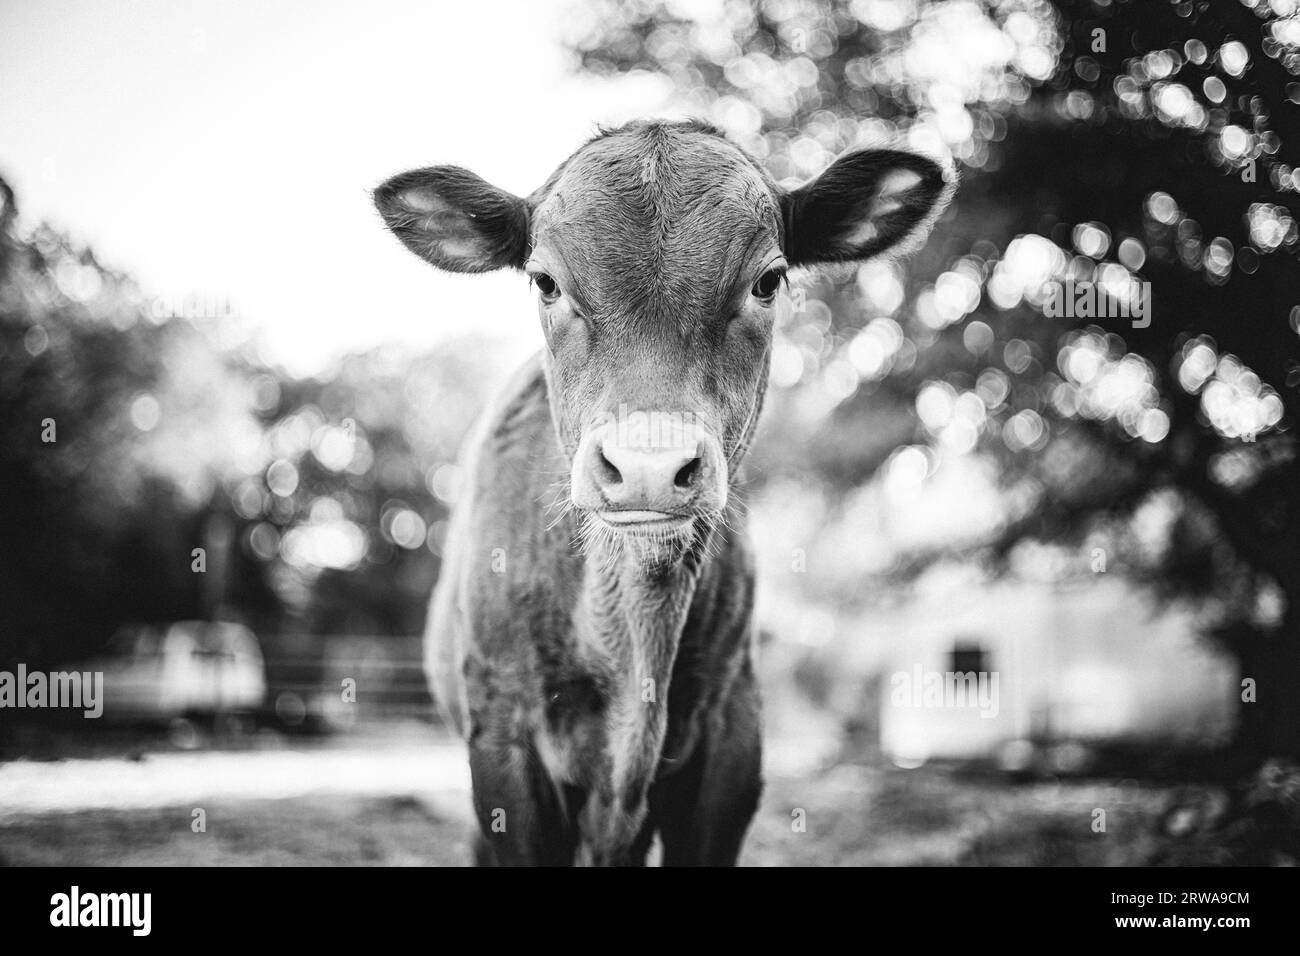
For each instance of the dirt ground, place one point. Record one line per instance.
(847, 815)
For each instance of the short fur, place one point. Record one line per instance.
(605, 683)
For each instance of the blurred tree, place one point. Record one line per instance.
(113, 427)
(1120, 147)
(130, 436)
(350, 511)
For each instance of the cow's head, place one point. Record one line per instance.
(658, 251)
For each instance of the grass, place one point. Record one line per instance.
(323, 831)
(851, 815)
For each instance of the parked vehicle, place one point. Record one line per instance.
(188, 668)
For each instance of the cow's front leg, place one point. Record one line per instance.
(522, 813)
(704, 808)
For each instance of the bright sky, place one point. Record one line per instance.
(231, 153)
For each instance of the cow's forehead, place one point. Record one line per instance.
(657, 223)
(656, 178)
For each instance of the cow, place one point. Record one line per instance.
(591, 635)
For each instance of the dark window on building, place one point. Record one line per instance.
(968, 656)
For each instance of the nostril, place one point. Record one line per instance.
(686, 476)
(609, 473)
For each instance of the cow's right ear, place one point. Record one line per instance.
(456, 220)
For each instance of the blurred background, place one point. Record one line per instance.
(231, 406)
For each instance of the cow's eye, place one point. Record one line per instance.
(546, 286)
(767, 284)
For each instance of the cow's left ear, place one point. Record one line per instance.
(867, 202)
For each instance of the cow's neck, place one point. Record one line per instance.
(635, 615)
(630, 619)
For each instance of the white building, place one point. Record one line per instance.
(1061, 666)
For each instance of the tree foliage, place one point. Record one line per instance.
(131, 436)
(1123, 148)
